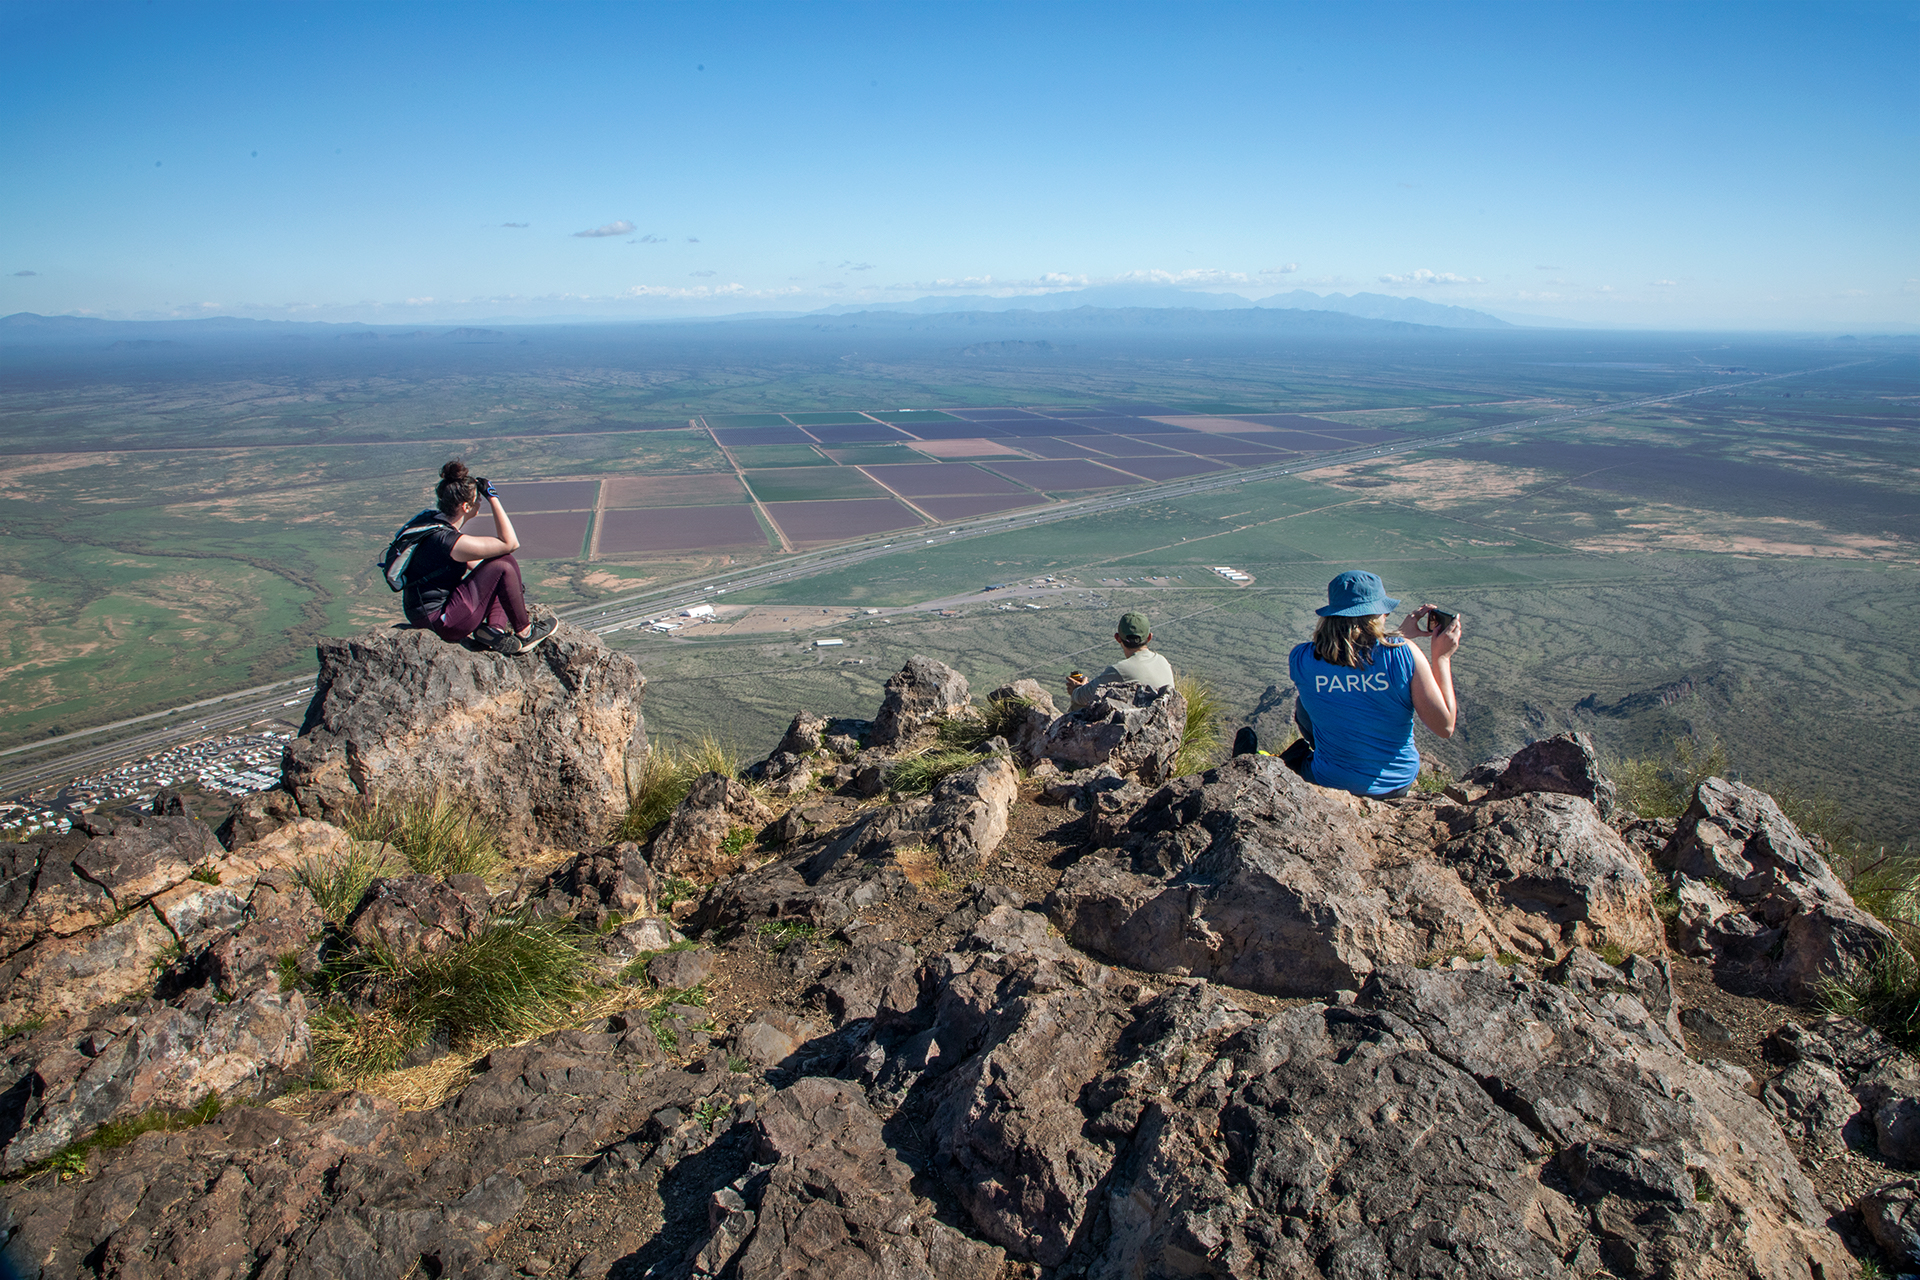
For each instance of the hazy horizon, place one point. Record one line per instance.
(1675, 167)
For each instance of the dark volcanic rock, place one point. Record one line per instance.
(1132, 727)
(918, 694)
(837, 1202)
(1250, 876)
(1759, 899)
(540, 744)
(595, 887)
(154, 1056)
(692, 844)
(257, 815)
(1566, 764)
(413, 915)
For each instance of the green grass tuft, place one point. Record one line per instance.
(1203, 735)
(1662, 786)
(337, 884)
(1884, 992)
(666, 775)
(917, 775)
(436, 836)
(778, 935)
(71, 1160)
(518, 977)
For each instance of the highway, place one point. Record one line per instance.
(286, 699)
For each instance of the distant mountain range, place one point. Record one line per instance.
(1369, 306)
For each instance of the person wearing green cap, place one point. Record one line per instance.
(1140, 665)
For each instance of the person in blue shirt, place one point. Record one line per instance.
(1360, 688)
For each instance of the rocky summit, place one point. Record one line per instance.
(1051, 1009)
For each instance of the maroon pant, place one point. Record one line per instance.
(491, 594)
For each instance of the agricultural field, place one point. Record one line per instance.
(181, 522)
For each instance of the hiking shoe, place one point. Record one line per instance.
(542, 628)
(508, 643)
(488, 638)
(1246, 742)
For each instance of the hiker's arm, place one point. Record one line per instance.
(1433, 697)
(472, 548)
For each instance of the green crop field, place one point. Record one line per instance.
(778, 455)
(805, 484)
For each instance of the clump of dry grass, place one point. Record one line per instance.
(1203, 734)
(665, 777)
(437, 836)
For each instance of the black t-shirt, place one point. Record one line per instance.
(432, 574)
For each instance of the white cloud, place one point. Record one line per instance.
(1287, 270)
(702, 274)
(1004, 288)
(26, 273)
(620, 228)
(1606, 288)
(649, 238)
(1192, 275)
(1663, 284)
(851, 265)
(693, 239)
(517, 226)
(1423, 277)
(1547, 296)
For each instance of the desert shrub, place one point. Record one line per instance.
(516, 978)
(1203, 735)
(665, 777)
(778, 935)
(919, 774)
(1662, 786)
(436, 836)
(337, 884)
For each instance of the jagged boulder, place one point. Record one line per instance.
(834, 1202)
(1026, 710)
(1757, 898)
(918, 694)
(594, 887)
(1566, 764)
(255, 816)
(408, 916)
(538, 744)
(1132, 727)
(1250, 876)
(693, 843)
(966, 816)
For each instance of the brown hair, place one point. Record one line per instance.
(1348, 642)
(456, 488)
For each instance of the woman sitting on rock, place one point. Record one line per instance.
(468, 584)
(1359, 689)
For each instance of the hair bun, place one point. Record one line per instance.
(455, 471)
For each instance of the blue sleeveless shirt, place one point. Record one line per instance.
(1362, 719)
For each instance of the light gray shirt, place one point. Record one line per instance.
(1144, 667)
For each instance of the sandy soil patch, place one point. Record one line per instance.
(18, 471)
(974, 447)
(1435, 484)
(1664, 528)
(1213, 426)
(739, 620)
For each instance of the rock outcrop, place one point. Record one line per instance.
(1133, 728)
(918, 694)
(539, 745)
(1250, 876)
(1482, 1069)
(1758, 900)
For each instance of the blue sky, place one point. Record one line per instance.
(1671, 164)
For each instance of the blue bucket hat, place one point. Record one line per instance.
(1355, 594)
